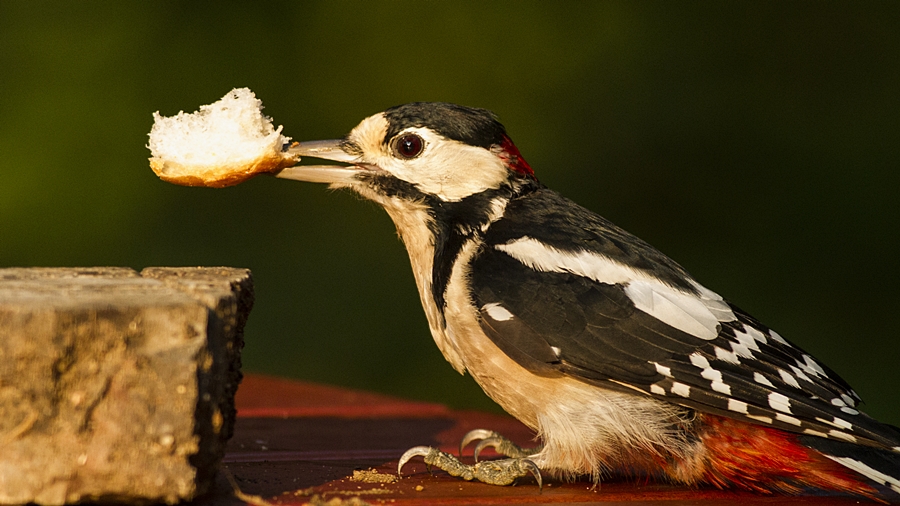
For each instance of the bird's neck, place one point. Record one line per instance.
(435, 233)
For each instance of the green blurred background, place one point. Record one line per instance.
(757, 143)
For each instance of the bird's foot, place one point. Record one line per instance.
(493, 440)
(493, 472)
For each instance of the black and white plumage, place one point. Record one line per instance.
(606, 347)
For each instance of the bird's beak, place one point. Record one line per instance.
(325, 150)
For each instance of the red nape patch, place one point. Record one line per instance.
(763, 459)
(510, 155)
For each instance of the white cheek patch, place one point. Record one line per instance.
(448, 169)
(698, 315)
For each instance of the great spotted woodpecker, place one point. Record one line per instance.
(608, 349)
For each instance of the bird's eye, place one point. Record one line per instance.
(408, 146)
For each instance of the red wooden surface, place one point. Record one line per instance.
(269, 396)
(294, 441)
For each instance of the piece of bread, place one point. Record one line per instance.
(222, 144)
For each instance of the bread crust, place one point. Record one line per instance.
(222, 175)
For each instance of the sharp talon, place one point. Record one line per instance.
(533, 469)
(492, 442)
(416, 451)
(496, 472)
(474, 435)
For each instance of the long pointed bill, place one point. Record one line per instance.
(325, 150)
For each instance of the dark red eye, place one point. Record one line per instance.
(408, 146)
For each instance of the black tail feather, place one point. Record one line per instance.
(879, 466)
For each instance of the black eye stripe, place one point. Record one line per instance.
(408, 146)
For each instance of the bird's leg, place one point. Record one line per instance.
(492, 472)
(500, 444)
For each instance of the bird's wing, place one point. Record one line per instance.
(586, 315)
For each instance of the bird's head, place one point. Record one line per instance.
(415, 151)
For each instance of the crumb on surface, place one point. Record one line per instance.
(373, 476)
(317, 500)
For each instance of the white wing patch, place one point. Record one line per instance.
(844, 424)
(681, 310)
(781, 417)
(809, 364)
(836, 434)
(762, 380)
(788, 378)
(779, 402)
(744, 345)
(800, 374)
(761, 418)
(665, 371)
(715, 303)
(737, 406)
(497, 312)
(698, 315)
(681, 389)
(727, 356)
(708, 373)
(777, 337)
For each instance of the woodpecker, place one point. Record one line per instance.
(616, 357)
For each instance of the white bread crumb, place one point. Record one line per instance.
(222, 144)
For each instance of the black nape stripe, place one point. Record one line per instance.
(475, 127)
(453, 224)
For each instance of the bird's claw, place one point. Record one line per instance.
(491, 439)
(416, 451)
(506, 471)
(493, 442)
(492, 472)
(474, 435)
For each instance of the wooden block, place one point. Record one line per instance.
(116, 385)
